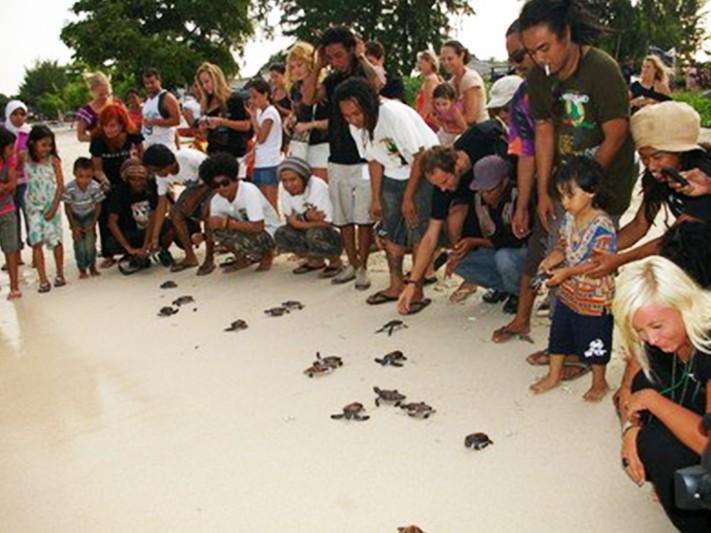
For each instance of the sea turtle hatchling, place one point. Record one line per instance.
(167, 311)
(331, 361)
(392, 359)
(392, 396)
(293, 305)
(318, 369)
(168, 285)
(276, 311)
(183, 300)
(477, 441)
(391, 326)
(352, 411)
(237, 325)
(418, 410)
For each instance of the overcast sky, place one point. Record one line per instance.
(30, 31)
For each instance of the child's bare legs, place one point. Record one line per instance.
(554, 376)
(59, 260)
(38, 261)
(12, 261)
(599, 387)
(83, 274)
(93, 271)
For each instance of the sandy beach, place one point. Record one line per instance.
(113, 419)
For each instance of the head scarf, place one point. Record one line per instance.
(10, 108)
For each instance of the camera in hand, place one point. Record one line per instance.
(692, 485)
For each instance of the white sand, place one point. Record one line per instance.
(112, 419)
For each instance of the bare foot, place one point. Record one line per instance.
(93, 272)
(265, 264)
(107, 263)
(545, 384)
(596, 393)
(83, 274)
(14, 295)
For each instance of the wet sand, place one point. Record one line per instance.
(113, 419)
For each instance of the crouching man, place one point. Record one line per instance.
(240, 217)
(309, 231)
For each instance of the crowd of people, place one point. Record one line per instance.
(516, 188)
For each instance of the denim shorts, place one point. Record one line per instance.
(265, 176)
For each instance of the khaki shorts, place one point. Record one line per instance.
(349, 187)
(9, 241)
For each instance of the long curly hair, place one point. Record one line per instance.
(221, 90)
(118, 113)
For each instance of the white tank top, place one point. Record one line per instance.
(156, 134)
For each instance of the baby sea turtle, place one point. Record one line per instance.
(276, 311)
(168, 285)
(183, 300)
(419, 409)
(167, 311)
(393, 359)
(318, 369)
(538, 280)
(388, 396)
(391, 326)
(292, 305)
(477, 441)
(352, 411)
(332, 361)
(237, 325)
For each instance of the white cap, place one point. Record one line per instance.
(503, 90)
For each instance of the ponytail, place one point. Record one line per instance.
(460, 50)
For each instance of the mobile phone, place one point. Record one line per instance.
(675, 176)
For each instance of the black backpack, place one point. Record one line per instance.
(162, 109)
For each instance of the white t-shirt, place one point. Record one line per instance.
(249, 205)
(268, 153)
(156, 134)
(193, 106)
(471, 79)
(189, 161)
(399, 134)
(315, 194)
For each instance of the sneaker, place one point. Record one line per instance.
(511, 305)
(346, 275)
(492, 296)
(362, 280)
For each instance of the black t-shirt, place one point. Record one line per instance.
(688, 383)
(225, 139)
(679, 204)
(394, 88)
(341, 144)
(500, 216)
(480, 140)
(637, 90)
(113, 159)
(309, 113)
(133, 209)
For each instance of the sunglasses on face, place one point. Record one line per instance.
(218, 184)
(517, 56)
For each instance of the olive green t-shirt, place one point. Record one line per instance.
(579, 106)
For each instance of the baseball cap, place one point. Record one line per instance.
(667, 126)
(502, 91)
(489, 172)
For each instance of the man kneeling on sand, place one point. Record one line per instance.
(309, 230)
(240, 217)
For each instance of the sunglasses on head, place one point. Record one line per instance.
(517, 56)
(218, 184)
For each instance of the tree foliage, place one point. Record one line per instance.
(404, 27)
(43, 85)
(175, 36)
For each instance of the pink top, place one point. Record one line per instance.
(449, 123)
(20, 149)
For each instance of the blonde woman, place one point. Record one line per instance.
(308, 124)
(88, 115)
(428, 65)
(653, 86)
(664, 319)
(224, 117)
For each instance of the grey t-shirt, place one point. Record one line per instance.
(83, 203)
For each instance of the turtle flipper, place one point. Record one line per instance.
(338, 417)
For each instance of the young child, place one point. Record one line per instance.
(9, 242)
(16, 122)
(44, 191)
(448, 114)
(82, 199)
(582, 321)
(266, 122)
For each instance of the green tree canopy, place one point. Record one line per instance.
(43, 83)
(174, 36)
(404, 27)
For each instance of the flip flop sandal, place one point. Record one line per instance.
(204, 270)
(128, 265)
(179, 267)
(416, 307)
(462, 293)
(59, 281)
(573, 371)
(504, 334)
(305, 269)
(539, 358)
(380, 298)
(330, 272)
(44, 287)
